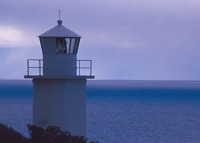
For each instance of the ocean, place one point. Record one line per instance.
(120, 111)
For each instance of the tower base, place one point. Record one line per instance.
(60, 102)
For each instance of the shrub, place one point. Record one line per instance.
(8, 135)
(51, 134)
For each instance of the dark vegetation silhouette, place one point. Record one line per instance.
(8, 135)
(51, 134)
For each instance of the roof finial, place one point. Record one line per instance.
(59, 14)
(59, 21)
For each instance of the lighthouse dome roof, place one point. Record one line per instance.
(60, 31)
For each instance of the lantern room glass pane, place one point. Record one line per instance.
(61, 45)
(67, 44)
(76, 45)
(72, 45)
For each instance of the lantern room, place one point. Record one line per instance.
(59, 40)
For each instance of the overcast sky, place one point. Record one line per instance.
(126, 39)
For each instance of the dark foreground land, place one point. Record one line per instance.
(51, 134)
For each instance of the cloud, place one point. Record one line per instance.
(10, 36)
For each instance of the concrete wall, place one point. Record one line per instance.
(60, 102)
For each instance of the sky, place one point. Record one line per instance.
(126, 39)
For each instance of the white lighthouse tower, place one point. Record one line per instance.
(59, 81)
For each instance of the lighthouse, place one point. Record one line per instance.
(59, 81)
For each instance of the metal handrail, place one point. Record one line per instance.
(79, 66)
(40, 66)
(30, 67)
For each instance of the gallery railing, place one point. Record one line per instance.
(35, 67)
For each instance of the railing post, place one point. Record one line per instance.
(39, 67)
(28, 67)
(90, 67)
(79, 67)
